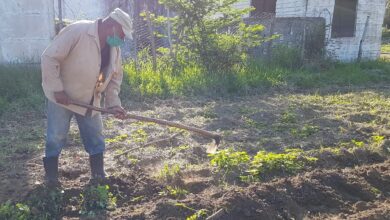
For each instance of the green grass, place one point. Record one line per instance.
(20, 88)
(385, 48)
(254, 75)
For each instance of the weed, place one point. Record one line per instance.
(139, 135)
(288, 117)
(208, 112)
(229, 159)
(116, 139)
(169, 172)
(385, 48)
(133, 160)
(18, 211)
(201, 214)
(357, 143)
(137, 199)
(247, 110)
(252, 123)
(173, 191)
(97, 198)
(198, 213)
(377, 139)
(304, 132)
(46, 203)
(289, 162)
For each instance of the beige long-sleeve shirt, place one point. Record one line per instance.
(71, 63)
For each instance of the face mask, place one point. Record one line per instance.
(114, 41)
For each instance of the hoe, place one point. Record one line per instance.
(217, 138)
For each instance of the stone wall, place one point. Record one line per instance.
(26, 28)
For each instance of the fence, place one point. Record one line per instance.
(303, 33)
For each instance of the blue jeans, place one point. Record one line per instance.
(58, 123)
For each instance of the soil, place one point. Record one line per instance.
(352, 184)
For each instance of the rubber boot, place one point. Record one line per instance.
(51, 171)
(97, 167)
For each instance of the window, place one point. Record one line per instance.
(344, 18)
(263, 6)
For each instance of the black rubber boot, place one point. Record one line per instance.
(97, 167)
(51, 171)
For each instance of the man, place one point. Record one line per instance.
(82, 64)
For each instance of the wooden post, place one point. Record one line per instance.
(151, 32)
(61, 24)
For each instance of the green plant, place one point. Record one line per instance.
(305, 131)
(18, 211)
(202, 31)
(200, 214)
(139, 135)
(117, 139)
(289, 162)
(173, 191)
(97, 198)
(46, 202)
(169, 172)
(288, 117)
(229, 159)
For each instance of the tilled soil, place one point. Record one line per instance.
(349, 184)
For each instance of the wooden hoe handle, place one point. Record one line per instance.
(204, 133)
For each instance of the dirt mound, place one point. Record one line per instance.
(327, 193)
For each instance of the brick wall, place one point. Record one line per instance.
(25, 30)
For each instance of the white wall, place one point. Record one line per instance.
(82, 10)
(26, 28)
(347, 48)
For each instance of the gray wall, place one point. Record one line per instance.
(345, 48)
(26, 28)
(307, 34)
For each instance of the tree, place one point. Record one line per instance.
(211, 32)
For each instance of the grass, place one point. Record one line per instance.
(385, 48)
(255, 74)
(20, 88)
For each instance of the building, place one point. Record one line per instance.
(26, 28)
(353, 27)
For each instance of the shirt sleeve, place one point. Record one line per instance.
(114, 86)
(53, 56)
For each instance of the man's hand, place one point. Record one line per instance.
(62, 98)
(119, 112)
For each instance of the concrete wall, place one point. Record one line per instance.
(81, 10)
(347, 48)
(26, 28)
(307, 34)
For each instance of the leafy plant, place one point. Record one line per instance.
(288, 117)
(229, 159)
(18, 211)
(169, 172)
(198, 215)
(117, 139)
(202, 31)
(173, 191)
(97, 198)
(47, 203)
(289, 162)
(139, 135)
(304, 132)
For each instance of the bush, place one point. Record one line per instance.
(289, 162)
(18, 211)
